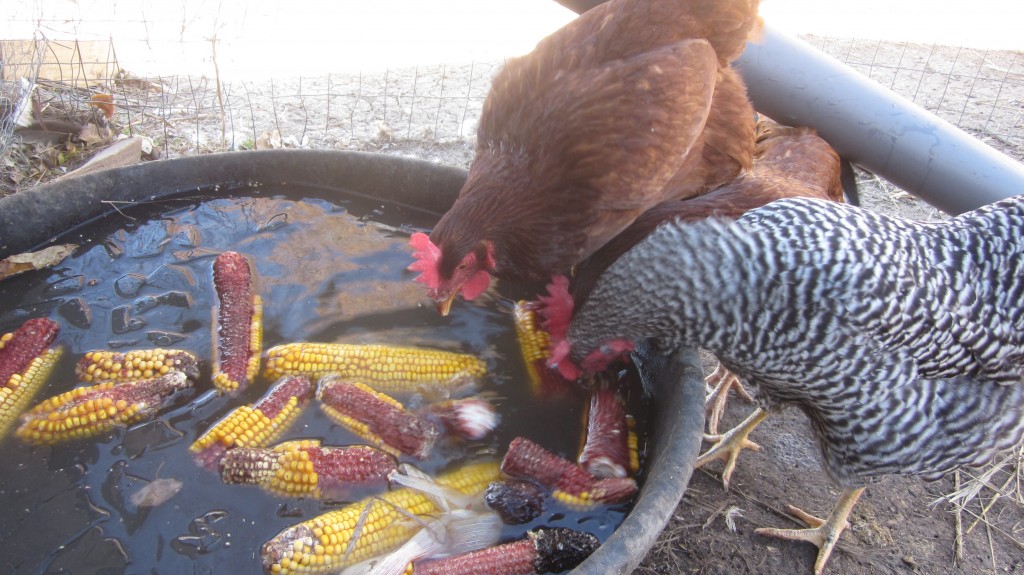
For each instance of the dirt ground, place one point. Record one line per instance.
(899, 526)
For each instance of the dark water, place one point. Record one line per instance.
(329, 271)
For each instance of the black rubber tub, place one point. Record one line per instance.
(32, 219)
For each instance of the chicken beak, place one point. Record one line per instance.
(445, 306)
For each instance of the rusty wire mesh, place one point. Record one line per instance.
(981, 91)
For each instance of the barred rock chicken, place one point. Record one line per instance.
(903, 342)
(788, 162)
(631, 104)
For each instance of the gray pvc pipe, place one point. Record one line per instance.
(795, 83)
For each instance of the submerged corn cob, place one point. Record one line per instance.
(96, 409)
(535, 345)
(543, 551)
(257, 425)
(515, 500)
(606, 452)
(570, 484)
(376, 417)
(25, 363)
(365, 529)
(388, 369)
(137, 364)
(239, 323)
(304, 468)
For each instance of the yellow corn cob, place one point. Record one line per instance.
(257, 425)
(385, 368)
(535, 346)
(304, 468)
(136, 364)
(364, 529)
(93, 410)
(21, 388)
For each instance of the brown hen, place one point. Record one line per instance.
(630, 105)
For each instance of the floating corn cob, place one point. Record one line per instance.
(543, 551)
(239, 334)
(470, 418)
(304, 468)
(606, 452)
(570, 484)
(365, 529)
(376, 417)
(516, 501)
(96, 409)
(132, 365)
(535, 345)
(25, 363)
(257, 425)
(387, 369)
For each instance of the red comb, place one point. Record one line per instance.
(557, 307)
(427, 257)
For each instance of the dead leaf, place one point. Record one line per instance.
(155, 492)
(29, 261)
(92, 134)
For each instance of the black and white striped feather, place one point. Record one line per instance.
(902, 341)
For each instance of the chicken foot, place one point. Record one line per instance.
(720, 382)
(822, 533)
(729, 444)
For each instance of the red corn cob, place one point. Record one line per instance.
(93, 410)
(25, 364)
(20, 347)
(239, 323)
(257, 425)
(376, 417)
(543, 551)
(606, 452)
(305, 468)
(570, 484)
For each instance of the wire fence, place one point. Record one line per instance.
(981, 91)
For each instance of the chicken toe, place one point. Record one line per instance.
(822, 533)
(720, 382)
(731, 443)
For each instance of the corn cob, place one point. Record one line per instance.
(470, 418)
(535, 345)
(365, 529)
(376, 417)
(516, 501)
(304, 468)
(387, 369)
(570, 484)
(94, 410)
(257, 425)
(239, 334)
(606, 452)
(98, 366)
(543, 551)
(25, 363)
